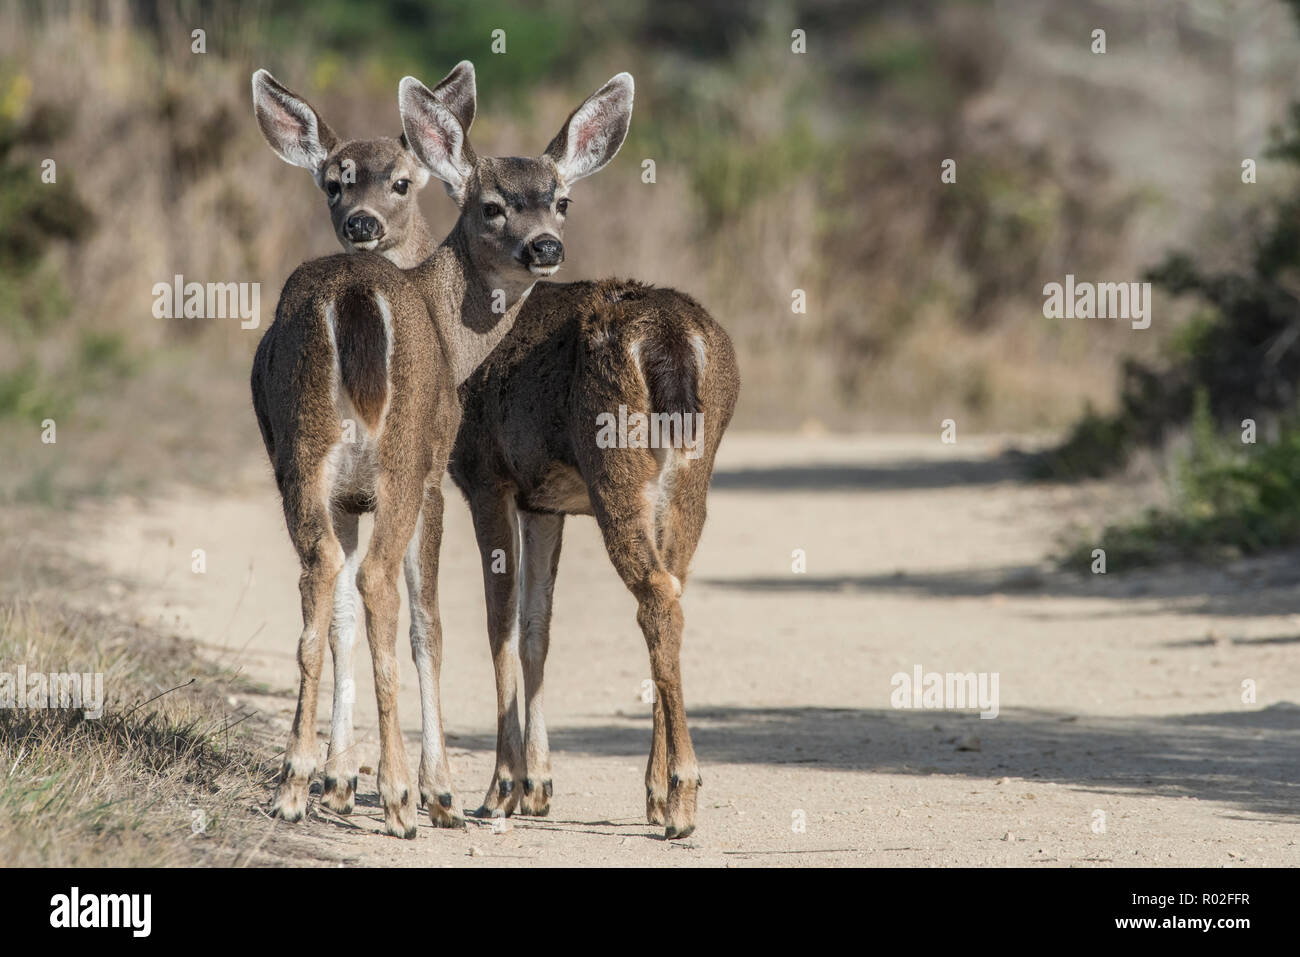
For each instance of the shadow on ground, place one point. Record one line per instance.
(914, 474)
(1249, 759)
(1246, 588)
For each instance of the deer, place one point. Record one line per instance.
(361, 349)
(525, 457)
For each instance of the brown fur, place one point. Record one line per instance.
(529, 422)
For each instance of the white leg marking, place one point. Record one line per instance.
(347, 605)
(431, 743)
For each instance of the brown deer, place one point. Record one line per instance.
(532, 449)
(517, 462)
(354, 386)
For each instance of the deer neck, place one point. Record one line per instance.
(418, 245)
(473, 307)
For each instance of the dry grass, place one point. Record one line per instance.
(163, 778)
(175, 772)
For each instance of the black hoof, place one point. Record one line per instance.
(530, 784)
(332, 784)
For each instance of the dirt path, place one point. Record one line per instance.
(1120, 695)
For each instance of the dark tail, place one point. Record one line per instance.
(671, 369)
(363, 351)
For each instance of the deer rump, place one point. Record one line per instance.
(298, 430)
(657, 336)
(533, 410)
(361, 339)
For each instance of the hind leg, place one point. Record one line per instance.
(627, 519)
(340, 786)
(398, 502)
(322, 559)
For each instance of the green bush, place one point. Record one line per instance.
(1230, 499)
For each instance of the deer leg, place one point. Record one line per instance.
(399, 500)
(656, 769)
(497, 530)
(628, 516)
(322, 559)
(426, 648)
(340, 787)
(541, 535)
(680, 521)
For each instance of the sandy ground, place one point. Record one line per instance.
(1121, 738)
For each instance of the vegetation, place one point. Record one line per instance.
(1240, 347)
(163, 778)
(1234, 365)
(1230, 498)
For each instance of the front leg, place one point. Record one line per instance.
(541, 535)
(497, 531)
(396, 515)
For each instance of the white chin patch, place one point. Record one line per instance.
(537, 270)
(368, 244)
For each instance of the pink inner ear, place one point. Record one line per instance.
(287, 124)
(438, 133)
(586, 133)
(285, 120)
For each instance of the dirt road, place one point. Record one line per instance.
(1121, 736)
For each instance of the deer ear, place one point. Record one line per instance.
(593, 133)
(292, 128)
(435, 135)
(457, 93)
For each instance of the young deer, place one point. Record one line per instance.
(531, 449)
(516, 460)
(359, 344)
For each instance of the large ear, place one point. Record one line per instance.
(434, 129)
(293, 129)
(594, 131)
(457, 93)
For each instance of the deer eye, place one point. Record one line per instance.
(401, 186)
(333, 190)
(562, 207)
(492, 211)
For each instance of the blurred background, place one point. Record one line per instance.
(774, 171)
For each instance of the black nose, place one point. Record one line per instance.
(546, 251)
(362, 227)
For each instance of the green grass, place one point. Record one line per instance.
(1230, 498)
